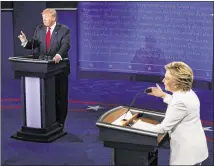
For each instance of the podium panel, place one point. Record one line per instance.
(32, 99)
(38, 97)
(129, 133)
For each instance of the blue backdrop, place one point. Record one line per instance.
(141, 37)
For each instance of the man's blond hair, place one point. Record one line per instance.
(182, 74)
(50, 11)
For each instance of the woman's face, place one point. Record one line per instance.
(169, 82)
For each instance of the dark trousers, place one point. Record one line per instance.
(61, 83)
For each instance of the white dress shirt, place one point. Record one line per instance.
(52, 28)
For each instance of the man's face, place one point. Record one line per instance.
(48, 19)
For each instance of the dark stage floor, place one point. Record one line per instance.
(81, 146)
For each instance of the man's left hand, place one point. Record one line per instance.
(57, 58)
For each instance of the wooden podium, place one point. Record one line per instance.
(38, 97)
(131, 146)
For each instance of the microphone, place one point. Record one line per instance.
(148, 90)
(132, 102)
(33, 41)
(32, 48)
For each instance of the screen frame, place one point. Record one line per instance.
(200, 84)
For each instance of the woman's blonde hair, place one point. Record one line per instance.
(182, 74)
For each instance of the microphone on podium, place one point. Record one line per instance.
(32, 49)
(34, 41)
(148, 90)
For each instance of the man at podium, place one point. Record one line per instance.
(52, 39)
(188, 145)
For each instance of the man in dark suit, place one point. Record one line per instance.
(52, 39)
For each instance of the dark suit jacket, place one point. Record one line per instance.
(60, 41)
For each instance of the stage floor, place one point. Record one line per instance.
(88, 99)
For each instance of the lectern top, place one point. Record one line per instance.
(27, 66)
(30, 59)
(135, 120)
(133, 125)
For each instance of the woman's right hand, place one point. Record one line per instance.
(157, 91)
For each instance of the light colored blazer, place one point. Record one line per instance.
(188, 144)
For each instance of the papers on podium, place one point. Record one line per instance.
(139, 124)
(119, 121)
(144, 126)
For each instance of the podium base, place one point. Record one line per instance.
(42, 135)
(139, 154)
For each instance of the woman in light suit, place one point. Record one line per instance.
(188, 145)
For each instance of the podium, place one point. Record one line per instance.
(38, 98)
(131, 145)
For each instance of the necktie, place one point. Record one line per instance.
(48, 39)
